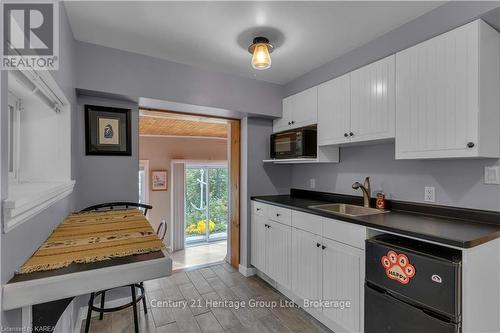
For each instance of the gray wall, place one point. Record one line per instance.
(457, 182)
(257, 178)
(20, 243)
(109, 70)
(106, 178)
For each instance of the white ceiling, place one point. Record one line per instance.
(214, 35)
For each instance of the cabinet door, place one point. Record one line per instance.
(373, 101)
(437, 96)
(306, 264)
(343, 277)
(278, 241)
(258, 242)
(305, 108)
(334, 110)
(285, 122)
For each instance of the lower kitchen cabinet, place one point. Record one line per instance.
(258, 241)
(271, 243)
(306, 264)
(278, 244)
(343, 278)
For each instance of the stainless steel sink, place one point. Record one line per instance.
(346, 209)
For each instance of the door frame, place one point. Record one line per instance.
(145, 165)
(234, 168)
(234, 159)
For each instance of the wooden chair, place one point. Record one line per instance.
(135, 299)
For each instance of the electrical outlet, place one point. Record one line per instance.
(430, 194)
(492, 175)
(312, 183)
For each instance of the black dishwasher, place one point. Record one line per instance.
(411, 286)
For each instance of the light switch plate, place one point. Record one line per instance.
(312, 183)
(430, 194)
(492, 175)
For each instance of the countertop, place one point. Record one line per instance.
(460, 233)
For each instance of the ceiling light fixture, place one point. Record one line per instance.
(260, 50)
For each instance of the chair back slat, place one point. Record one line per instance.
(118, 204)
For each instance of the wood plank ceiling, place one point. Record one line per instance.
(156, 123)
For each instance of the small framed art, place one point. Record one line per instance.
(159, 180)
(107, 131)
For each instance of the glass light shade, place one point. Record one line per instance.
(261, 58)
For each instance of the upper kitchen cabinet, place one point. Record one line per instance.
(334, 111)
(373, 101)
(298, 110)
(448, 95)
(358, 106)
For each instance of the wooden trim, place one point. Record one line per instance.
(188, 115)
(182, 137)
(234, 194)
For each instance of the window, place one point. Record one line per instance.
(38, 138)
(143, 181)
(13, 135)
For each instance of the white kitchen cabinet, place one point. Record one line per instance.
(285, 122)
(306, 264)
(271, 241)
(373, 101)
(334, 111)
(447, 95)
(358, 106)
(258, 241)
(343, 278)
(299, 110)
(278, 249)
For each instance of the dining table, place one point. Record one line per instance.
(43, 295)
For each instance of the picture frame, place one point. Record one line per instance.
(159, 180)
(107, 131)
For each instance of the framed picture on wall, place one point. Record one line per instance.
(159, 180)
(107, 131)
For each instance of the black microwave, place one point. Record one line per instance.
(296, 143)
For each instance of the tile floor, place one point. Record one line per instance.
(196, 255)
(215, 283)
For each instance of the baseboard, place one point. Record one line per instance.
(247, 271)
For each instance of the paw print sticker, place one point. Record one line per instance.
(398, 267)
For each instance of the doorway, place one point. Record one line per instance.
(206, 202)
(200, 158)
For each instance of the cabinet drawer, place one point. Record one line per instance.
(259, 208)
(344, 232)
(307, 222)
(279, 214)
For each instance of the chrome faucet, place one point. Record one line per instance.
(366, 191)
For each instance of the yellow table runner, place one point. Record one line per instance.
(94, 236)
